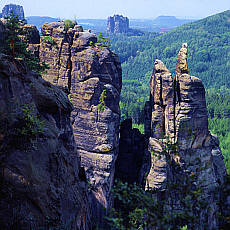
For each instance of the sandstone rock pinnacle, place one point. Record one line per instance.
(16, 9)
(91, 74)
(117, 24)
(177, 116)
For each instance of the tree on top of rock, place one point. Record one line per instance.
(17, 48)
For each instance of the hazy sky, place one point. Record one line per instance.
(130, 8)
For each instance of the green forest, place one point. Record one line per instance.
(208, 58)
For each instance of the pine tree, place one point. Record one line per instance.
(17, 48)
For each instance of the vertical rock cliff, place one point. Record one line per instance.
(117, 24)
(42, 185)
(91, 74)
(184, 153)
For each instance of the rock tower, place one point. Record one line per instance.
(117, 24)
(16, 9)
(91, 74)
(180, 143)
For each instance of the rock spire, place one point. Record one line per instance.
(180, 143)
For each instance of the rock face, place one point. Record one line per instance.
(42, 182)
(17, 10)
(117, 24)
(30, 34)
(180, 142)
(133, 162)
(2, 31)
(91, 74)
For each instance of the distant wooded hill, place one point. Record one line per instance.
(38, 21)
(208, 51)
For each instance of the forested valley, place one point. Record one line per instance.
(208, 58)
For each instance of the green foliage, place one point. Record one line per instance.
(134, 94)
(14, 46)
(48, 39)
(69, 97)
(136, 208)
(20, 127)
(101, 104)
(33, 126)
(218, 106)
(140, 127)
(103, 41)
(130, 214)
(208, 42)
(128, 47)
(68, 23)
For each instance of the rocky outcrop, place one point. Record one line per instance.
(30, 34)
(91, 74)
(2, 31)
(16, 9)
(133, 162)
(42, 183)
(184, 153)
(117, 24)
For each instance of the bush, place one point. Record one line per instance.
(48, 39)
(14, 46)
(68, 23)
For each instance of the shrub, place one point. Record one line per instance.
(101, 104)
(103, 41)
(68, 23)
(48, 39)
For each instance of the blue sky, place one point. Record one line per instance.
(130, 8)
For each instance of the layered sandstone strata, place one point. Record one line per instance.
(180, 142)
(42, 183)
(91, 74)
